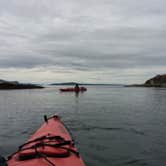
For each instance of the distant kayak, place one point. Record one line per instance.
(80, 89)
(51, 145)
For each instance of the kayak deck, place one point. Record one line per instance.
(49, 145)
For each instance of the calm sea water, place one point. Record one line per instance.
(112, 126)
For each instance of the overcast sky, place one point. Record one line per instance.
(110, 41)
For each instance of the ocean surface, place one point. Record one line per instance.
(112, 126)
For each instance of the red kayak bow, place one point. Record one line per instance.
(51, 145)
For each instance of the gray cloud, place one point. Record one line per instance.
(84, 36)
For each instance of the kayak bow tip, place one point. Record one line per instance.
(54, 116)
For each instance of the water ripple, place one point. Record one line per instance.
(90, 128)
(135, 161)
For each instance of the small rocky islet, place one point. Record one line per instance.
(16, 85)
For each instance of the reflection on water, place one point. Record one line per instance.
(111, 125)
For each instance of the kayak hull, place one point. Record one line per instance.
(53, 127)
(81, 89)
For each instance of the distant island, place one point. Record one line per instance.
(157, 81)
(88, 84)
(16, 85)
(66, 83)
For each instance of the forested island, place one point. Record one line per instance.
(16, 85)
(157, 81)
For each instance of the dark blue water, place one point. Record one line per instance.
(112, 126)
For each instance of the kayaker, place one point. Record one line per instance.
(76, 87)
